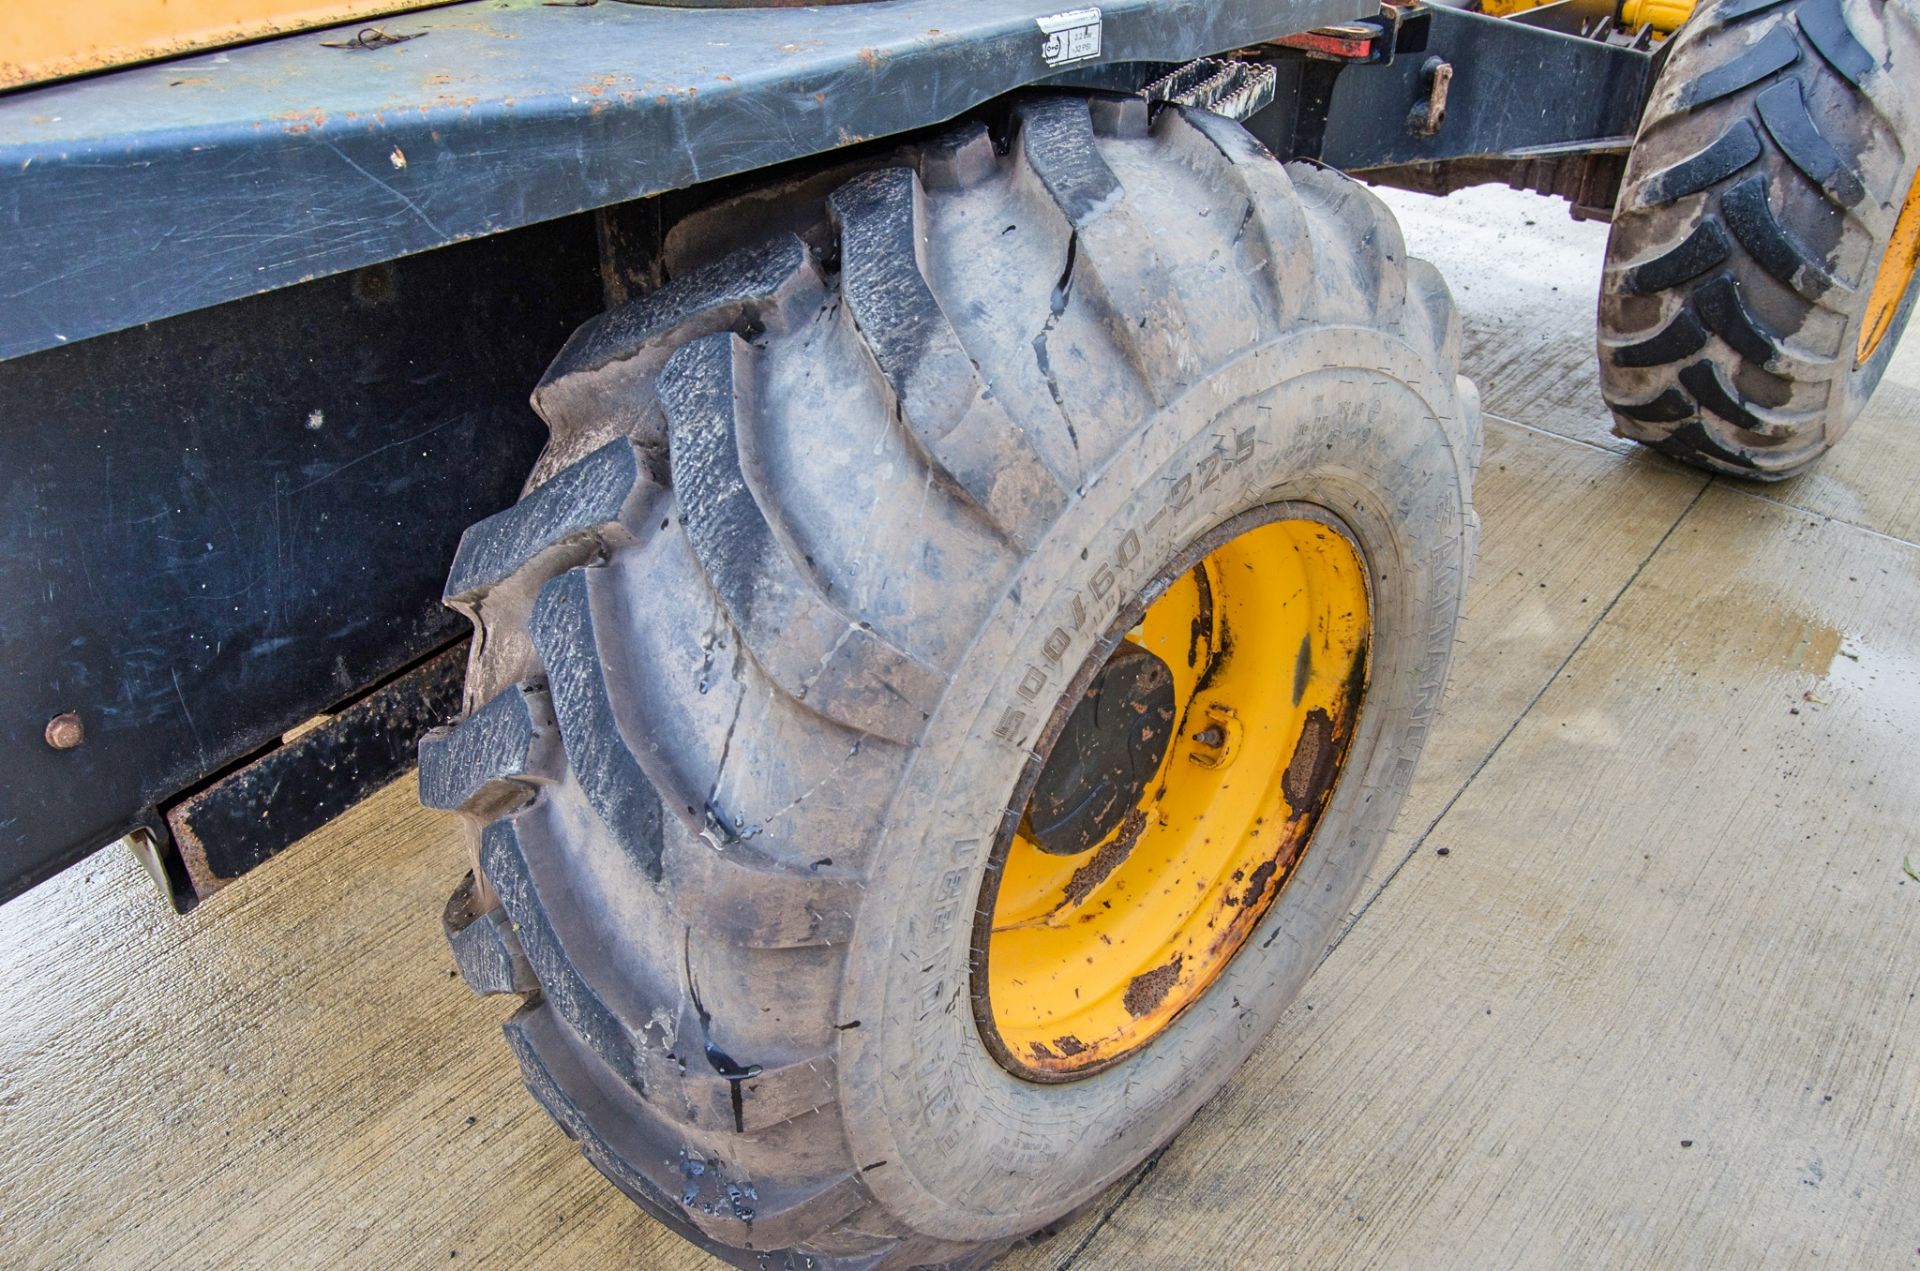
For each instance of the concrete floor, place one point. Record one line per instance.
(1655, 1006)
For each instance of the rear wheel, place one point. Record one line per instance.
(942, 689)
(1760, 268)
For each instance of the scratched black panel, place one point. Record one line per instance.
(1575, 94)
(147, 192)
(215, 526)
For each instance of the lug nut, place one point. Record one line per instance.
(64, 731)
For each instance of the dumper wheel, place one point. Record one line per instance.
(948, 674)
(1760, 268)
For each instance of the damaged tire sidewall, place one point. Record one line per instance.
(1348, 419)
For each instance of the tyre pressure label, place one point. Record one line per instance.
(1073, 36)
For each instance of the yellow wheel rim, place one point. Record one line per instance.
(1082, 959)
(1895, 276)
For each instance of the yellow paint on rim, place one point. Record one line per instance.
(1089, 957)
(1895, 277)
(51, 39)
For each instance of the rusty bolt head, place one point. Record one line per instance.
(64, 731)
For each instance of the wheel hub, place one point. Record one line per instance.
(1178, 796)
(1111, 747)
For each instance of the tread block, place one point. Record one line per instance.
(1731, 151)
(743, 896)
(1783, 109)
(1363, 243)
(1721, 308)
(603, 372)
(1700, 251)
(958, 158)
(586, 502)
(1702, 379)
(714, 1202)
(509, 742)
(943, 402)
(1824, 23)
(1771, 52)
(1111, 259)
(831, 661)
(504, 859)
(562, 628)
(1668, 408)
(710, 1090)
(1276, 224)
(485, 950)
(1680, 338)
(1751, 218)
(1692, 443)
(1056, 139)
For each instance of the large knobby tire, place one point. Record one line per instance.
(1777, 152)
(825, 527)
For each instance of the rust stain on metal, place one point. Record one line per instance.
(1069, 1045)
(1107, 859)
(1149, 990)
(1311, 769)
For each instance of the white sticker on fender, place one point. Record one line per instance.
(1073, 36)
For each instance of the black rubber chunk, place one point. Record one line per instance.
(485, 950)
(833, 662)
(1783, 109)
(1825, 25)
(708, 1200)
(1751, 219)
(1771, 52)
(1682, 337)
(943, 402)
(563, 635)
(1704, 382)
(1057, 140)
(601, 370)
(1733, 150)
(1706, 247)
(1718, 301)
(1670, 407)
(582, 502)
(503, 857)
(510, 739)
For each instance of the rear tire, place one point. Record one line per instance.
(825, 526)
(1771, 168)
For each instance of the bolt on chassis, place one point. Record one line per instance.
(927, 671)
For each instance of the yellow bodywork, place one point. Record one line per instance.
(51, 39)
(1665, 16)
(1091, 956)
(1894, 278)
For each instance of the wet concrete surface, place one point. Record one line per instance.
(1655, 1005)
